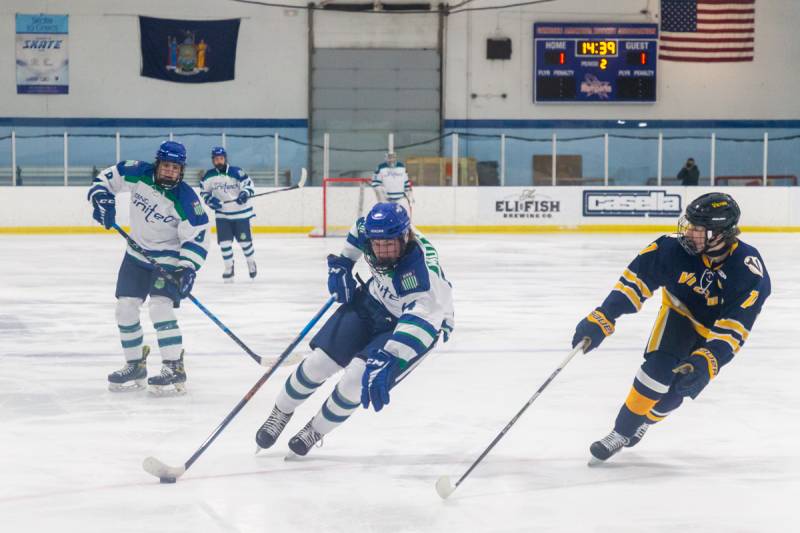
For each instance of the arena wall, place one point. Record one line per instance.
(272, 63)
(30, 210)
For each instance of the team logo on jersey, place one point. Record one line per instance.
(150, 210)
(631, 204)
(752, 262)
(409, 281)
(198, 209)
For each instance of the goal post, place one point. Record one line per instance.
(343, 201)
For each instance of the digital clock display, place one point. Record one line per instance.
(596, 48)
(595, 62)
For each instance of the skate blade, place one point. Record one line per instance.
(291, 456)
(227, 280)
(138, 385)
(594, 461)
(176, 389)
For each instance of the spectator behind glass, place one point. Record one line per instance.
(689, 174)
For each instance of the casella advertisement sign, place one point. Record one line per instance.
(631, 203)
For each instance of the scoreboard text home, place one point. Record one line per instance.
(577, 62)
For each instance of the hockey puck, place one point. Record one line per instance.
(167, 480)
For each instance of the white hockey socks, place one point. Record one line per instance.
(343, 401)
(170, 341)
(310, 374)
(226, 247)
(130, 329)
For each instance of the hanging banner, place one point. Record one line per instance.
(189, 51)
(42, 60)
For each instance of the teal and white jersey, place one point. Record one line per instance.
(415, 292)
(226, 186)
(391, 183)
(170, 225)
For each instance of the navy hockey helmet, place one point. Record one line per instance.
(718, 214)
(387, 228)
(172, 152)
(219, 151)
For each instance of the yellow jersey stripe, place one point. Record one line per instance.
(630, 294)
(642, 286)
(732, 341)
(733, 325)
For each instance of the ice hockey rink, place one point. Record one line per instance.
(72, 451)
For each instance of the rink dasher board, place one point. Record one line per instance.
(448, 209)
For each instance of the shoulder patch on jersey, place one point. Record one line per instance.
(650, 248)
(132, 169)
(189, 205)
(412, 275)
(754, 264)
(409, 281)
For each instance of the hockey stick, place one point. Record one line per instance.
(257, 358)
(443, 485)
(299, 185)
(170, 474)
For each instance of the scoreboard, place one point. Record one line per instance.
(594, 62)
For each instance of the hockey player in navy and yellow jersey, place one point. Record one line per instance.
(713, 288)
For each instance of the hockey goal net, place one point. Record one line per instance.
(343, 201)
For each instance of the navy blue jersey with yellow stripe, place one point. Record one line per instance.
(721, 300)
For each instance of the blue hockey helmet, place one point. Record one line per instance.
(218, 150)
(172, 152)
(387, 227)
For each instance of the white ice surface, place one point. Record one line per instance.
(71, 452)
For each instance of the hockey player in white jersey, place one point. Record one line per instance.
(391, 184)
(379, 334)
(169, 223)
(227, 190)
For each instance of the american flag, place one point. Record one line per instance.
(707, 30)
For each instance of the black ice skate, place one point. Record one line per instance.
(172, 379)
(251, 267)
(132, 376)
(270, 430)
(637, 435)
(604, 448)
(304, 440)
(227, 276)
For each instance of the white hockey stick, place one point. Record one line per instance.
(299, 185)
(443, 485)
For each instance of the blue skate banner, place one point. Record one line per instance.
(189, 51)
(41, 54)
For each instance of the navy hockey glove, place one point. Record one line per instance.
(214, 203)
(695, 373)
(105, 209)
(243, 197)
(378, 378)
(595, 327)
(340, 278)
(185, 280)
